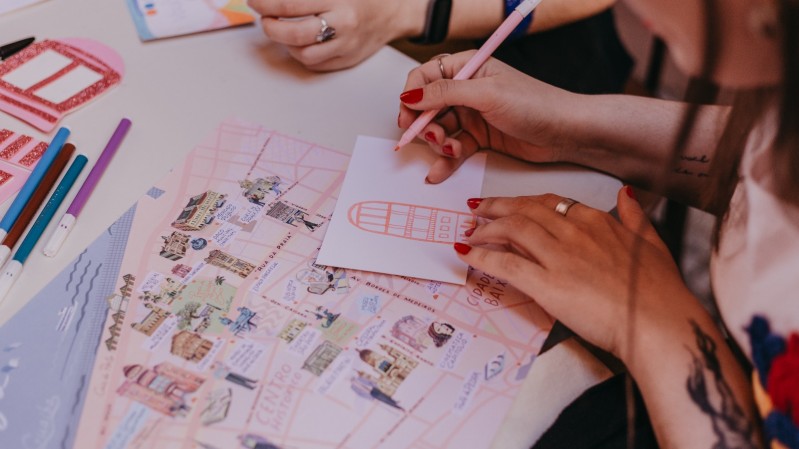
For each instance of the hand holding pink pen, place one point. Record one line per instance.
(482, 55)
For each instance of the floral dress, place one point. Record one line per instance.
(755, 273)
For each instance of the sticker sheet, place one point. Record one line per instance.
(156, 19)
(223, 331)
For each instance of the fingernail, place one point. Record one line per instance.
(447, 149)
(462, 248)
(412, 96)
(629, 191)
(474, 203)
(468, 232)
(430, 136)
(427, 181)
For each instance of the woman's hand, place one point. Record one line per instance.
(584, 267)
(498, 108)
(362, 27)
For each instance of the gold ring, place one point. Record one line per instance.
(440, 58)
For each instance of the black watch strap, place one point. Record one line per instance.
(436, 23)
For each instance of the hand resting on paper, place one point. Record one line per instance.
(581, 267)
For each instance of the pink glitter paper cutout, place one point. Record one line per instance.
(15, 146)
(5, 134)
(34, 155)
(110, 77)
(5, 176)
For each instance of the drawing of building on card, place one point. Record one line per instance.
(410, 221)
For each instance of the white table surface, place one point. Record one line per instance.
(176, 91)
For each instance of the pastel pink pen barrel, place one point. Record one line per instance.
(68, 220)
(468, 70)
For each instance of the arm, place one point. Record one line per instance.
(614, 283)
(500, 108)
(633, 139)
(365, 26)
(476, 19)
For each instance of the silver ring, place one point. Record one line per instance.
(564, 205)
(440, 58)
(326, 32)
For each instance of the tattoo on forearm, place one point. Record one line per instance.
(709, 390)
(694, 170)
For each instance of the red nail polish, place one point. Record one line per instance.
(468, 232)
(474, 203)
(412, 96)
(430, 136)
(462, 248)
(629, 191)
(447, 149)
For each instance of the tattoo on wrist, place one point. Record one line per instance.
(685, 171)
(710, 392)
(703, 159)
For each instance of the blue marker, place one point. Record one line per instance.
(33, 180)
(14, 267)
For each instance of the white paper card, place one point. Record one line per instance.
(43, 65)
(388, 220)
(71, 83)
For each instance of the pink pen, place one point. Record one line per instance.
(482, 55)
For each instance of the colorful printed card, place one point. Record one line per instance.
(224, 332)
(49, 79)
(389, 220)
(156, 19)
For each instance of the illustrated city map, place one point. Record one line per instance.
(201, 319)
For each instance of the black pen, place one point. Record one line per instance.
(14, 47)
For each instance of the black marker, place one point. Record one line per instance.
(14, 47)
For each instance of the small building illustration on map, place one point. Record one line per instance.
(190, 346)
(321, 358)
(292, 329)
(229, 262)
(118, 307)
(412, 331)
(180, 270)
(390, 367)
(162, 388)
(290, 215)
(199, 211)
(256, 191)
(150, 323)
(410, 221)
(175, 245)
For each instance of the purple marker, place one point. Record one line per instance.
(68, 220)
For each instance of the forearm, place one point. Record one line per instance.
(696, 394)
(476, 19)
(633, 138)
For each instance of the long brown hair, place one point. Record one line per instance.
(748, 107)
